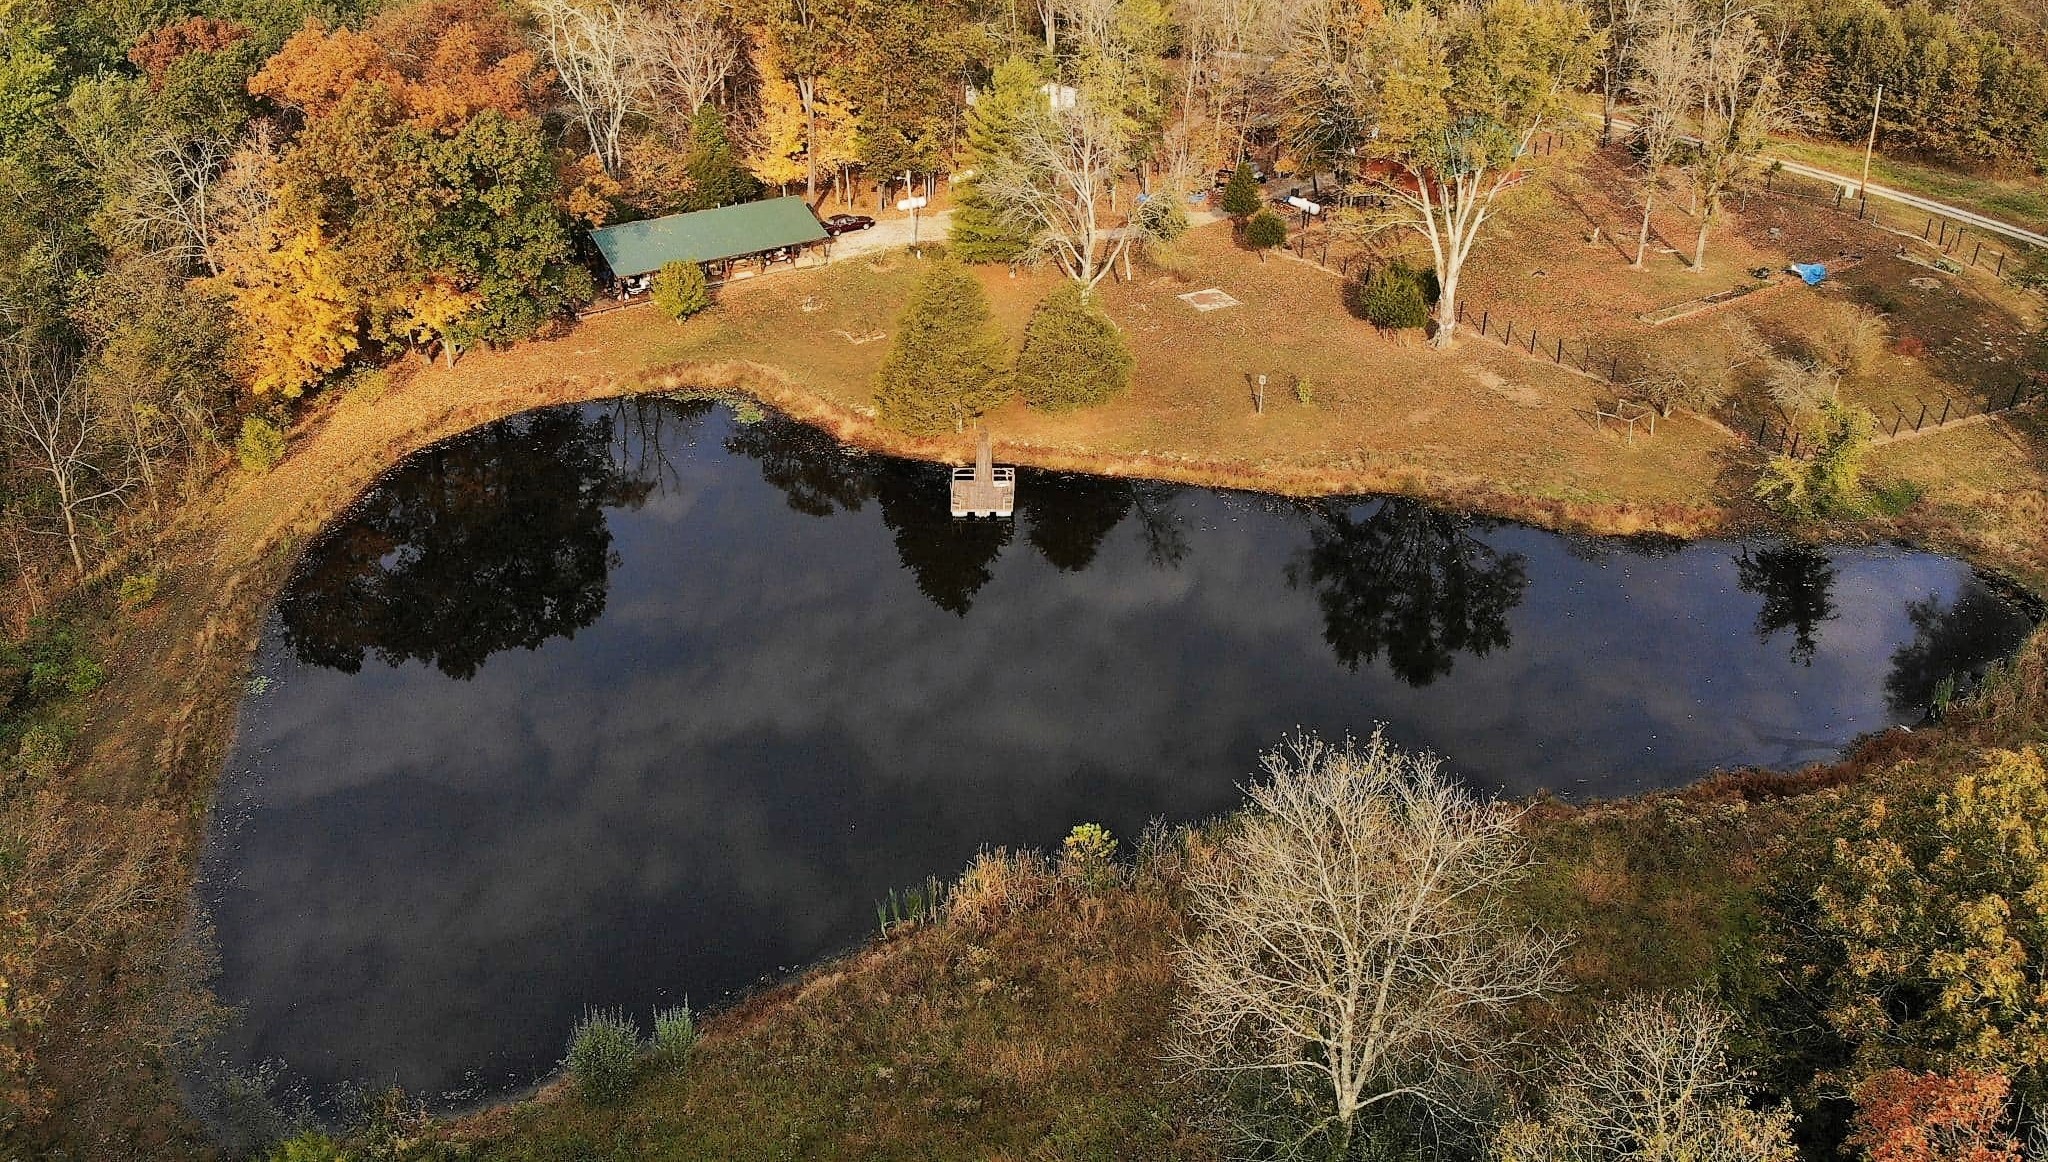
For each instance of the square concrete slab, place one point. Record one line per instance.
(1208, 300)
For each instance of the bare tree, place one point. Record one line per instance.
(595, 47)
(1801, 385)
(1619, 61)
(49, 410)
(173, 201)
(1663, 76)
(1741, 103)
(1652, 1082)
(687, 51)
(1057, 186)
(1351, 931)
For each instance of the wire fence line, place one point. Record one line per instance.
(1957, 241)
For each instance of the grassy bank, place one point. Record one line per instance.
(902, 1053)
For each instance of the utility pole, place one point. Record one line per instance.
(1863, 191)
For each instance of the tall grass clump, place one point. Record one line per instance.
(999, 883)
(675, 1034)
(603, 1049)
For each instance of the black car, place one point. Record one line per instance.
(839, 224)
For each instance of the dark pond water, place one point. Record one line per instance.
(620, 704)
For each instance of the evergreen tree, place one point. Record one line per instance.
(978, 232)
(716, 176)
(1241, 198)
(943, 363)
(680, 290)
(1265, 231)
(1073, 355)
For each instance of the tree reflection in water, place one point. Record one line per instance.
(816, 474)
(1959, 639)
(1797, 583)
(1410, 581)
(1066, 517)
(488, 542)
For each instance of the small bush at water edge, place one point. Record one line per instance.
(602, 1052)
(675, 1034)
(311, 1146)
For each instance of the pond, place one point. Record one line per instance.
(620, 704)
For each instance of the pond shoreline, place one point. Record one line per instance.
(162, 728)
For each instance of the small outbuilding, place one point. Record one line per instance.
(775, 230)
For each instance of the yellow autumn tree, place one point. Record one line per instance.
(427, 315)
(778, 155)
(298, 317)
(1936, 914)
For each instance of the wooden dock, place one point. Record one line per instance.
(985, 489)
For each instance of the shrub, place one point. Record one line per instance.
(1073, 355)
(1088, 855)
(1831, 481)
(1304, 392)
(1799, 386)
(680, 290)
(675, 1033)
(1391, 297)
(603, 1049)
(1265, 231)
(1162, 216)
(1241, 196)
(941, 370)
(139, 589)
(1695, 377)
(1849, 338)
(260, 446)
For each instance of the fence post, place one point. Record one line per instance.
(1862, 206)
(1794, 452)
(1532, 340)
(1922, 419)
(1461, 311)
(1484, 316)
(2015, 400)
(1838, 198)
(1944, 412)
(1763, 426)
(1560, 352)
(1508, 336)
(2000, 272)
(1975, 253)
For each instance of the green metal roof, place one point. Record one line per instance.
(707, 235)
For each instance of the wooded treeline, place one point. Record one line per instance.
(210, 207)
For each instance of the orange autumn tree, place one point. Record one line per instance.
(158, 49)
(1926, 1117)
(442, 61)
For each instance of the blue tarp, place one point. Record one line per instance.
(1812, 272)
